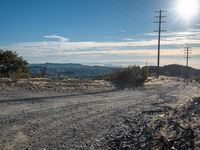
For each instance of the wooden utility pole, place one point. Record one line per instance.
(187, 52)
(159, 37)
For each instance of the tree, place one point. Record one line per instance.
(11, 64)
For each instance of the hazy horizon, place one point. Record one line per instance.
(116, 64)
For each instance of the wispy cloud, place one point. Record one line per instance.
(57, 38)
(198, 24)
(189, 32)
(61, 49)
(122, 30)
(128, 39)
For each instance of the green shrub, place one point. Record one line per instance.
(12, 65)
(131, 76)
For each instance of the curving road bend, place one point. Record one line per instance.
(80, 121)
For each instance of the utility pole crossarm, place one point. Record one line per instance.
(159, 22)
(159, 11)
(160, 16)
(160, 31)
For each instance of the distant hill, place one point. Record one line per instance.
(176, 71)
(69, 70)
(52, 70)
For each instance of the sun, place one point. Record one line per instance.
(187, 8)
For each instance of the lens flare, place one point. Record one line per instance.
(187, 8)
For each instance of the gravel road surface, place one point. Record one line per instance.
(81, 120)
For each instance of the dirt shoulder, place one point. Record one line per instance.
(41, 87)
(173, 122)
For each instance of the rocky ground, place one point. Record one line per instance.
(44, 114)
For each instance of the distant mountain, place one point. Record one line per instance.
(52, 70)
(176, 71)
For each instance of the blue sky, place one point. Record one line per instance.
(115, 32)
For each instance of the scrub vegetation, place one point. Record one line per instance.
(12, 65)
(132, 76)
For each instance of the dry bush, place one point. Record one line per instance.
(132, 76)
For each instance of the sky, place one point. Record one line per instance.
(97, 32)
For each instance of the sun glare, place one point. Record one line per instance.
(187, 8)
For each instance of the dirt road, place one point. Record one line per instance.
(83, 121)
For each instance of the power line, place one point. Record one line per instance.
(125, 13)
(135, 5)
(145, 4)
(114, 5)
(160, 21)
(131, 3)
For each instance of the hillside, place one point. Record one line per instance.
(69, 70)
(85, 72)
(175, 71)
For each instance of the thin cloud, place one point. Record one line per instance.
(122, 30)
(60, 44)
(61, 49)
(198, 24)
(57, 38)
(189, 32)
(128, 39)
